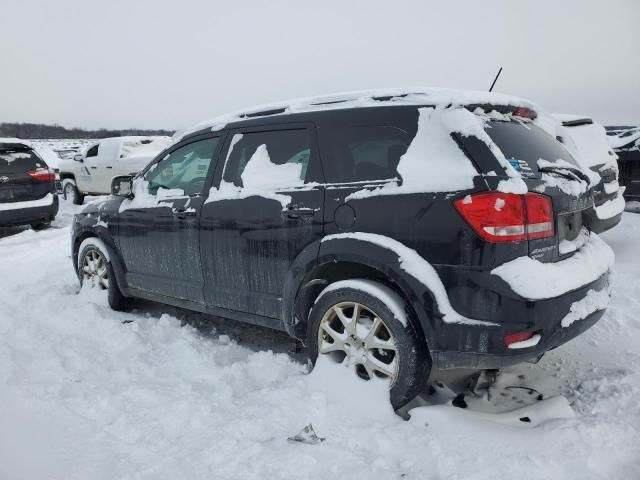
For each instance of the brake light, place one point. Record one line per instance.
(507, 217)
(515, 337)
(524, 113)
(43, 174)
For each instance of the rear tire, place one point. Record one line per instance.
(70, 192)
(379, 343)
(94, 265)
(40, 225)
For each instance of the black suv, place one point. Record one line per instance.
(403, 234)
(27, 186)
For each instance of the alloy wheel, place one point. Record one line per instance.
(351, 332)
(94, 267)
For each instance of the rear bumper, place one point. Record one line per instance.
(23, 216)
(485, 296)
(479, 347)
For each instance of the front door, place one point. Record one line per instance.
(266, 209)
(158, 228)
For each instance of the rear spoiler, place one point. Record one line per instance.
(577, 122)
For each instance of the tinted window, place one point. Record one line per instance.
(185, 168)
(19, 160)
(265, 152)
(524, 144)
(366, 153)
(93, 151)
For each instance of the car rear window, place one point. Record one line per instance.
(19, 160)
(523, 144)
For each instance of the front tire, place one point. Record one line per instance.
(94, 266)
(70, 192)
(366, 324)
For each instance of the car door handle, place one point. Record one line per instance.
(183, 213)
(94, 167)
(298, 212)
(109, 166)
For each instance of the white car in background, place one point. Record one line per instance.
(90, 172)
(587, 141)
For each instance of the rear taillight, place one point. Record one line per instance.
(43, 174)
(507, 217)
(524, 113)
(516, 337)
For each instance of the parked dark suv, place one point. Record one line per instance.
(27, 186)
(402, 233)
(625, 141)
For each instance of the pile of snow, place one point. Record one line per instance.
(143, 146)
(537, 280)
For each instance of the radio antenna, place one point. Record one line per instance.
(495, 79)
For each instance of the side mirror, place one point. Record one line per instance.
(122, 186)
(78, 158)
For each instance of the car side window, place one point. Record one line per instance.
(184, 170)
(93, 151)
(269, 160)
(363, 153)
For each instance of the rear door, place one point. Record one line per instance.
(158, 231)
(265, 210)
(19, 178)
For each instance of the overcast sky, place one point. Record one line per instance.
(169, 64)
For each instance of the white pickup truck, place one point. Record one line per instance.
(90, 172)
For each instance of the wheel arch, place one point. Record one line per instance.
(348, 258)
(112, 252)
(67, 176)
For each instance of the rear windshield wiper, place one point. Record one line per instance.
(567, 172)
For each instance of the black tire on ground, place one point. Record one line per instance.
(70, 192)
(117, 301)
(40, 225)
(411, 350)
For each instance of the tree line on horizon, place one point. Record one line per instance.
(34, 131)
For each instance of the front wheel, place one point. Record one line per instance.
(94, 266)
(365, 324)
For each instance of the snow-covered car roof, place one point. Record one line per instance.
(14, 141)
(363, 98)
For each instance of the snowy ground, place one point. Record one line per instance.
(87, 393)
